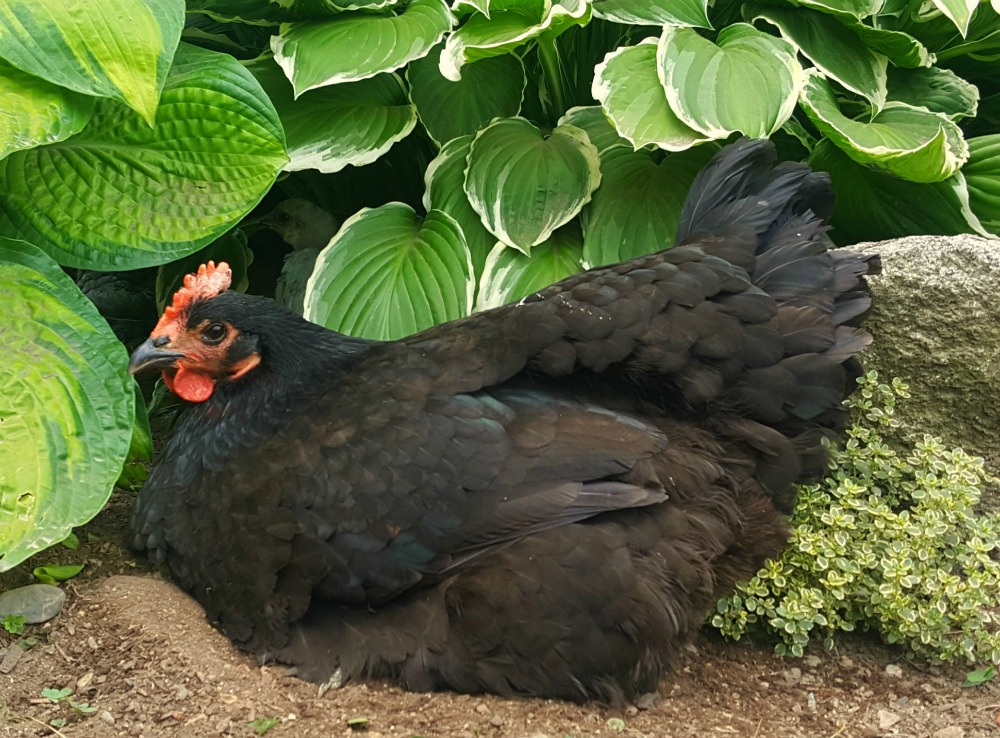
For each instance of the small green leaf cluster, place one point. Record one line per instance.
(889, 542)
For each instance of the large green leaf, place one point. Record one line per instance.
(510, 275)
(876, 207)
(66, 405)
(835, 50)
(491, 88)
(654, 12)
(37, 112)
(356, 46)
(524, 184)
(845, 9)
(510, 24)
(937, 90)
(120, 195)
(598, 128)
(982, 173)
(638, 206)
(444, 183)
(748, 83)
(628, 87)
(958, 12)
(119, 49)
(902, 49)
(388, 273)
(912, 143)
(349, 124)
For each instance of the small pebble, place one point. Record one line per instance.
(886, 719)
(793, 675)
(952, 731)
(106, 717)
(482, 709)
(647, 701)
(36, 603)
(496, 721)
(894, 670)
(812, 661)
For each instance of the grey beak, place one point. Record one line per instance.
(152, 356)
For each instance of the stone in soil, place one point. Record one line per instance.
(36, 603)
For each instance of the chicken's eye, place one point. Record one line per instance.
(213, 333)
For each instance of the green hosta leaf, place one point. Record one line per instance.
(388, 273)
(140, 451)
(358, 45)
(598, 128)
(492, 88)
(857, 9)
(510, 275)
(56, 574)
(835, 50)
(901, 48)
(120, 195)
(982, 173)
(66, 405)
(937, 90)
(909, 142)
(958, 12)
(876, 207)
(349, 124)
(654, 12)
(119, 49)
(37, 112)
(445, 191)
(524, 185)
(628, 87)
(270, 13)
(638, 206)
(749, 82)
(510, 24)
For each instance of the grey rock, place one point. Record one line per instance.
(952, 731)
(936, 325)
(886, 719)
(35, 602)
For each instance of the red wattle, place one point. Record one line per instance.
(189, 385)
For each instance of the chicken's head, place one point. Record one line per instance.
(191, 344)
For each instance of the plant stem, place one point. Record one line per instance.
(548, 57)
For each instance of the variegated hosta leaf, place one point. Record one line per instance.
(66, 405)
(628, 87)
(857, 9)
(38, 112)
(509, 275)
(333, 127)
(389, 273)
(122, 195)
(749, 82)
(901, 48)
(937, 90)
(982, 173)
(510, 24)
(638, 206)
(524, 185)
(872, 206)
(491, 88)
(356, 46)
(958, 12)
(595, 124)
(912, 143)
(444, 183)
(119, 49)
(654, 12)
(833, 48)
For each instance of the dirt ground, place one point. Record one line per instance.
(142, 661)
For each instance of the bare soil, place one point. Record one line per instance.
(139, 653)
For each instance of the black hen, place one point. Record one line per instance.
(544, 498)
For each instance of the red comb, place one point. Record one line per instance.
(209, 281)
